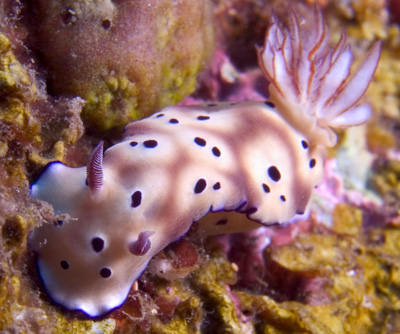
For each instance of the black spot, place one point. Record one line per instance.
(105, 272)
(274, 173)
(150, 143)
(133, 143)
(283, 198)
(211, 105)
(222, 221)
(173, 121)
(251, 210)
(58, 223)
(270, 104)
(160, 115)
(200, 141)
(106, 24)
(304, 144)
(217, 186)
(97, 244)
(203, 118)
(266, 188)
(136, 199)
(200, 186)
(216, 151)
(300, 212)
(64, 264)
(313, 162)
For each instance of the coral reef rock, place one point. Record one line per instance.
(127, 59)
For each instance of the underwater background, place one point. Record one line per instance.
(76, 72)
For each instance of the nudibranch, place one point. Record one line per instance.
(229, 167)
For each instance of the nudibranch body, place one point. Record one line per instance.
(254, 160)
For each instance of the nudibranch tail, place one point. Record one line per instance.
(94, 171)
(305, 73)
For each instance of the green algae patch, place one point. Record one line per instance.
(187, 318)
(213, 282)
(111, 106)
(290, 317)
(34, 128)
(379, 139)
(106, 326)
(28, 134)
(330, 280)
(18, 128)
(347, 219)
(200, 303)
(386, 181)
(13, 232)
(161, 307)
